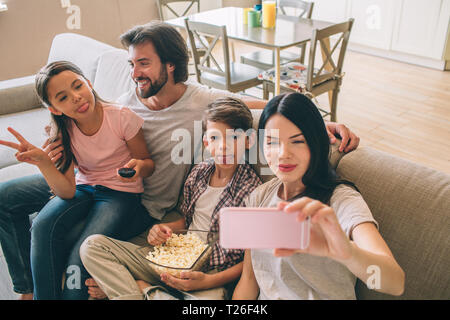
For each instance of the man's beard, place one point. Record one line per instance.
(154, 88)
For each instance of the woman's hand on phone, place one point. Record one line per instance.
(327, 239)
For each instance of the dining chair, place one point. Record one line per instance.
(168, 5)
(310, 79)
(231, 76)
(265, 59)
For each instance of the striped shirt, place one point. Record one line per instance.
(243, 182)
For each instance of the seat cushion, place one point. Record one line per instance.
(411, 204)
(112, 77)
(239, 73)
(264, 59)
(30, 124)
(80, 50)
(17, 170)
(293, 75)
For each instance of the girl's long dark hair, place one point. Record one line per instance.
(59, 123)
(320, 179)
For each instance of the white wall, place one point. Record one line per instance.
(28, 27)
(414, 30)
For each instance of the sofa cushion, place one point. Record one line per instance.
(30, 124)
(80, 50)
(18, 95)
(112, 78)
(17, 170)
(411, 204)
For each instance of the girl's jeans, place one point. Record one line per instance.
(103, 211)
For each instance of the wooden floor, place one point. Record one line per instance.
(395, 107)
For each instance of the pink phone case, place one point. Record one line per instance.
(262, 228)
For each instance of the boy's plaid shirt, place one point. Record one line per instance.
(244, 181)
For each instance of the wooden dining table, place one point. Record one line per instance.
(289, 31)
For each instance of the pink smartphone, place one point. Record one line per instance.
(262, 228)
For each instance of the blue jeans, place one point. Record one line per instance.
(102, 211)
(18, 199)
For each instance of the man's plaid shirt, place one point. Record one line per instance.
(244, 181)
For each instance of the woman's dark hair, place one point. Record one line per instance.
(59, 123)
(320, 179)
(168, 42)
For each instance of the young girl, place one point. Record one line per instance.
(98, 139)
(344, 240)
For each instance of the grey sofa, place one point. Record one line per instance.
(410, 202)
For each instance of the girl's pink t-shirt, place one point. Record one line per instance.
(100, 156)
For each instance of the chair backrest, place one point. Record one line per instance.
(203, 63)
(165, 4)
(305, 7)
(329, 68)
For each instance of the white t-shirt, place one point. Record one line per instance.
(204, 208)
(304, 276)
(171, 141)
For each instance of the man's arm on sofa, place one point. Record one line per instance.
(349, 140)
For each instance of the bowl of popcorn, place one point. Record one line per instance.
(187, 250)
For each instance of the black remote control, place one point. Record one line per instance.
(127, 172)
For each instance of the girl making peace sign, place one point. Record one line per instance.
(98, 138)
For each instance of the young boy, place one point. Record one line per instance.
(222, 181)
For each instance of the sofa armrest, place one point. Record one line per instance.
(18, 95)
(411, 204)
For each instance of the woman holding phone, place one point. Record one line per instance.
(344, 240)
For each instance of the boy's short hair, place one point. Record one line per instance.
(231, 111)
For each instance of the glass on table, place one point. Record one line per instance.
(245, 15)
(269, 13)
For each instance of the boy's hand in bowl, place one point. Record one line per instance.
(159, 234)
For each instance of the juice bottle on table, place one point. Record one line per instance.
(258, 9)
(269, 13)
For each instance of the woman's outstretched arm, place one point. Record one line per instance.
(247, 287)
